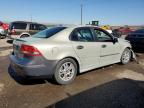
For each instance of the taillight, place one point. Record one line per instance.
(29, 50)
(13, 31)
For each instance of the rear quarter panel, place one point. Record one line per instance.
(54, 50)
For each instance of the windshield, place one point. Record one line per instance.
(48, 32)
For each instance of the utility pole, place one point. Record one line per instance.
(81, 13)
(31, 18)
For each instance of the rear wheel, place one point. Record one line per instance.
(66, 71)
(126, 56)
(24, 35)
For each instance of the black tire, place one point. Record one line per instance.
(125, 60)
(2, 36)
(57, 75)
(24, 35)
(119, 34)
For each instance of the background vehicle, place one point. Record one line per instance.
(24, 29)
(2, 33)
(3, 29)
(107, 28)
(136, 39)
(63, 52)
(122, 31)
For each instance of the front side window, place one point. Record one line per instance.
(37, 27)
(83, 35)
(102, 36)
(34, 27)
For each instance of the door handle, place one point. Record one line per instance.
(80, 47)
(104, 46)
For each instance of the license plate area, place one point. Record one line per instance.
(16, 50)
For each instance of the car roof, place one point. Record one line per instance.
(26, 22)
(79, 26)
(139, 31)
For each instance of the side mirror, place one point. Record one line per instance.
(115, 40)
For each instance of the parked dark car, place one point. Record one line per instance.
(24, 29)
(136, 39)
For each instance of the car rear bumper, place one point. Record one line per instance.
(13, 36)
(38, 68)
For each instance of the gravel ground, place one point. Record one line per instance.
(122, 93)
(5, 47)
(114, 86)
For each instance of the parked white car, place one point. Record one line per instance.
(62, 52)
(2, 33)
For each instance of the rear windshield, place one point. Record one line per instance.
(18, 26)
(48, 32)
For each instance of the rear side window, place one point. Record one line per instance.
(48, 32)
(82, 35)
(18, 26)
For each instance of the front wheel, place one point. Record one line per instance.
(126, 56)
(2, 36)
(66, 71)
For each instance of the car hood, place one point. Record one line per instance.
(122, 40)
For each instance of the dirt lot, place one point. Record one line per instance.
(114, 86)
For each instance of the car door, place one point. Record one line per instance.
(109, 50)
(34, 28)
(86, 48)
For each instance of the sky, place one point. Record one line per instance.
(108, 12)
